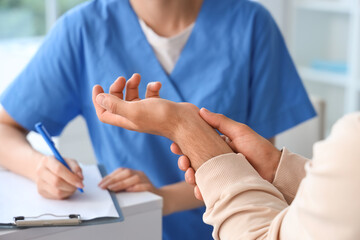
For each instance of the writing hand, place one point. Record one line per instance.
(55, 181)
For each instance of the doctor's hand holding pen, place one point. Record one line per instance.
(55, 181)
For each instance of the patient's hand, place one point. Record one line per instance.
(179, 122)
(260, 153)
(151, 115)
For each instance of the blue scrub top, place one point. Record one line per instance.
(235, 63)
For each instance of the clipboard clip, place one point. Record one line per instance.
(47, 219)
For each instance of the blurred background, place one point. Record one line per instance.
(323, 37)
(23, 25)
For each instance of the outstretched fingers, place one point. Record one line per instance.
(153, 89)
(132, 88)
(117, 88)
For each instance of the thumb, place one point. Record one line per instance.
(112, 103)
(225, 125)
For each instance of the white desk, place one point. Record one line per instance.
(143, 220)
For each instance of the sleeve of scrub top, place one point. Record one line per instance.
(278, 98)
(47, 89)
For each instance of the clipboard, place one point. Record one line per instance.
(71, 219)
(58, 220)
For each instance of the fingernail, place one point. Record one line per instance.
(205, 110)
(79, 185)
(99, 99)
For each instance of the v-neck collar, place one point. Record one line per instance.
(148, 57)
(187, 49)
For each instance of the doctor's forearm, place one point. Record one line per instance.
(16, 153)
(178, 197)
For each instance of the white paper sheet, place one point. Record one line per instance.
(19, 197)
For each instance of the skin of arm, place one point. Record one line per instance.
(180, 122)
(53, 179)
(178, 197)
(241, 204)
(260, 153)
(246, 205)
(167, 117)
(13, 136)
(132, 180)
(184, 124)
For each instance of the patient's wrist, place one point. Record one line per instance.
(198, 140)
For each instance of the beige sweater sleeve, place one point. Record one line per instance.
(290, 172)
(241, 205)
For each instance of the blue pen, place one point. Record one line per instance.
(44, 133)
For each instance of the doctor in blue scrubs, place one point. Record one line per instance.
(227, 56)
